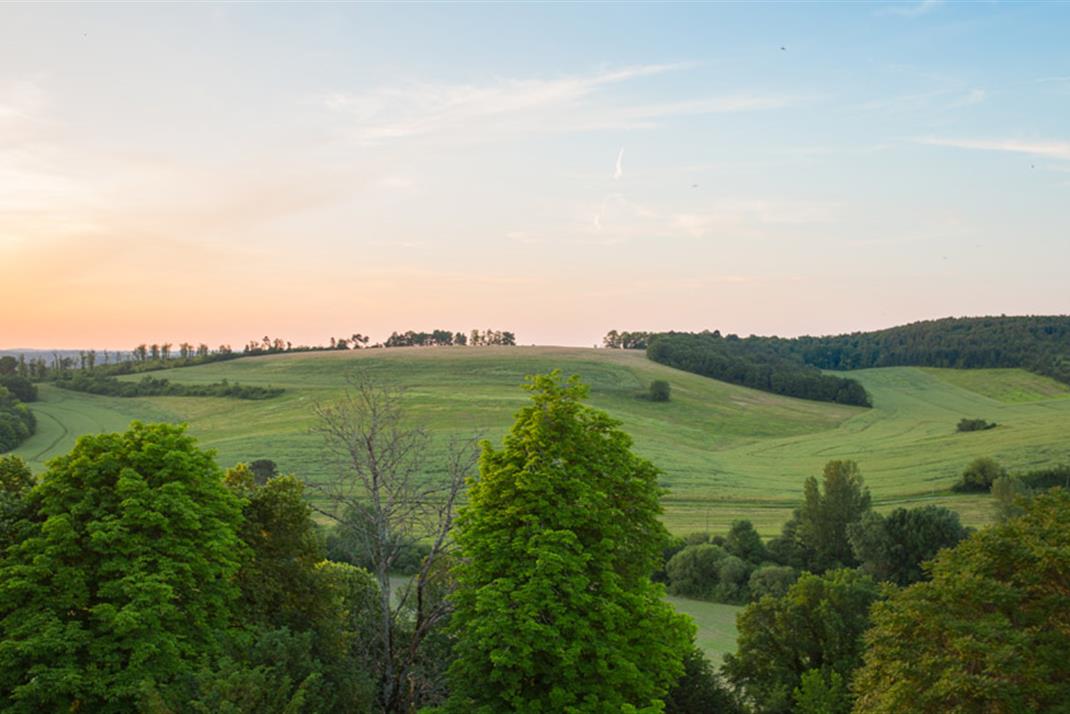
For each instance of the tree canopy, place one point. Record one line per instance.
(125, 582)
(988, 632)
(555, 610)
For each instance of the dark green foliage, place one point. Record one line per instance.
(17, 422)
(893, 547)
(627, 340)
(16, 480)
(818, 694)
(1037, 343)
(1046, 478)
(22, 388)
(660, 391)
(694, 571)
(989, 632)
(149, 386)
(979, 475)
(125, 582)
(554, 608)
(8, 365)
(818, 625)
(771, 580)
(974, 425)
(348, 542)
(700, 690)
(743, 541)
(1009, 493)
(263, 470)
(826, 513)
(752, 364)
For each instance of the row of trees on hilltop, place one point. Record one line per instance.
(731, 359)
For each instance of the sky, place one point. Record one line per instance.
(220, 172)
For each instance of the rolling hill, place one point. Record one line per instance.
(726, 451)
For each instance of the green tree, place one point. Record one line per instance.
(989, 632)
(893, 547)
(824, 516)
(660, 390)
(16, 480)
(555, 610)
(700, 690)
(743, 541)
(817, 625)
(126, 580)
(694, 571)
(980, 475)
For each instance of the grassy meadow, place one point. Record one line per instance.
(727, 452)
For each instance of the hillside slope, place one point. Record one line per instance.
(727, 451)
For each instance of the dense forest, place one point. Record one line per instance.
(751, 364)
(1038, 343)
(791, 366)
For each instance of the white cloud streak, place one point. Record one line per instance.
(619, 171)
(1046, 149)
(561, 104)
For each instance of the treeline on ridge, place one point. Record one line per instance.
(149, 386)
(1038, 343)
(747, 363)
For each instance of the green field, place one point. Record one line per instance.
(715, 626)
(726, 452)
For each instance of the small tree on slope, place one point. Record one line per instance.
(555, 610)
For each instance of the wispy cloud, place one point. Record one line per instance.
(619, 171)
(911, 10)
(1047, 149)
(559, 104)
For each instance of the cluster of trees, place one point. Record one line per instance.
(149, 386)
(17, 422)
(627, 340)
(834, 527)
(445, 338)
(909, 611)
(749, 363)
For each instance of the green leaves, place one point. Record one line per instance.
(555, 611)
(124, 581)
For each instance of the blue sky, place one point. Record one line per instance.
(220, 172)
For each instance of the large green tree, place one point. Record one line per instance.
(827, 510)
(990, 632)
(555, 610)
(125, 581)
(816, 626)
(893, 547)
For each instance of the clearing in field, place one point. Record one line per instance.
(727, 452)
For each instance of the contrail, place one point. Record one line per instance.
(620, 166)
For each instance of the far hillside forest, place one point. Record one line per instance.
(792, 366)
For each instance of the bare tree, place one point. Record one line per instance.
(380, 480)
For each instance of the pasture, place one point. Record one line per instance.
(727, 452)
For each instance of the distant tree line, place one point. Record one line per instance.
(149, 386)
(17, 422)
(751, 364)
(1038, 343)
(627, 340)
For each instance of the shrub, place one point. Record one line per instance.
(693, 572)
(979, 475)
(975, 425)
(660, 390)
